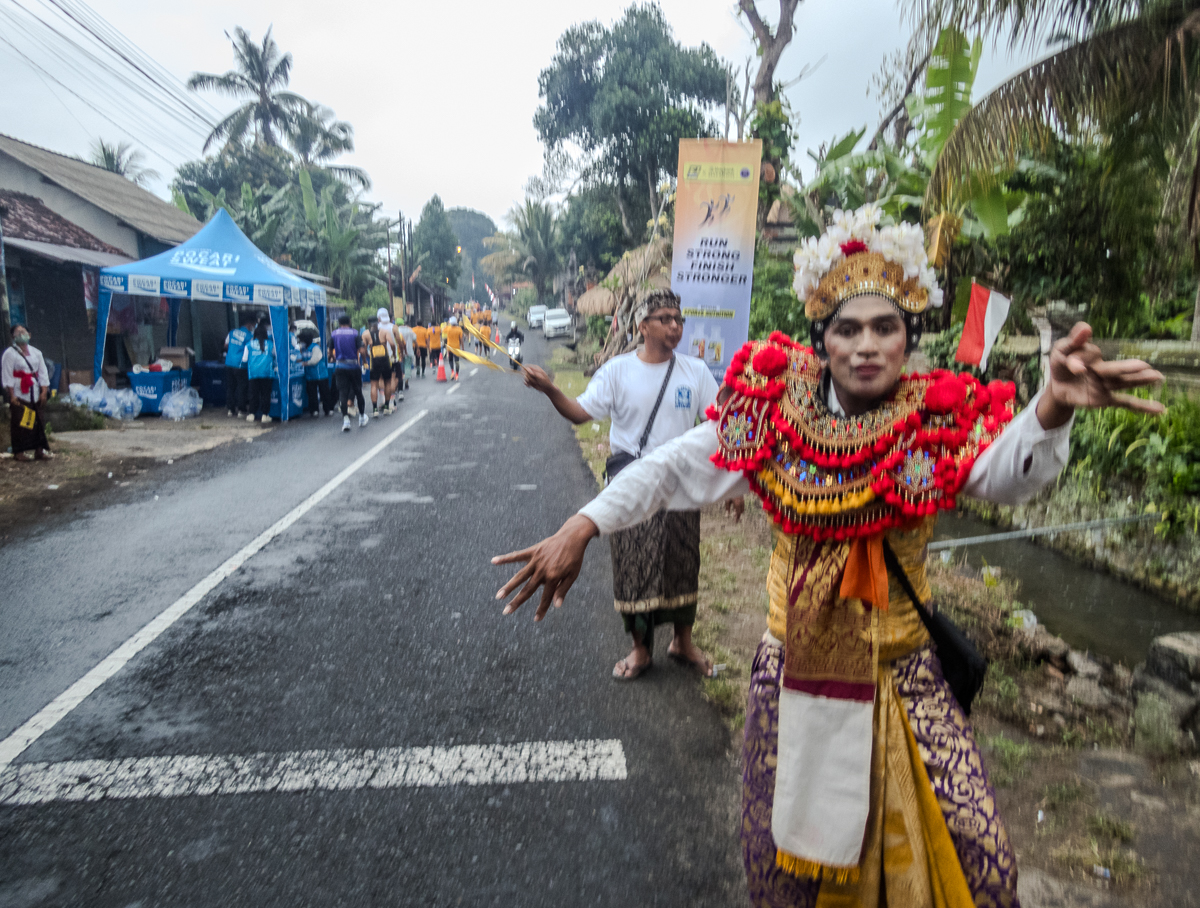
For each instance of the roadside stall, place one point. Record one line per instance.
(219, 264)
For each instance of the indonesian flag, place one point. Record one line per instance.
(985, 318)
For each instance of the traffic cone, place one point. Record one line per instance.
(441, 372)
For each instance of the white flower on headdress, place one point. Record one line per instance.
(866, 219)
(901, 243)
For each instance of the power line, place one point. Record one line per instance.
(116, 78)
(42, 71)
(69, 62)
(113, 41)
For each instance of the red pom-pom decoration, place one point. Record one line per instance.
(1001, 391)
(770, 361)
(945, 395)
(853, 247)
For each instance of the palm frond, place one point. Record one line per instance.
(1083, 83)
(231, 83)
(1025, 22)
(233, 128)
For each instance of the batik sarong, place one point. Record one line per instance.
(656, 570)
(933, 824)
(27, 437)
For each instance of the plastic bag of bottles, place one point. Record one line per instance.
(122, 404)
(182, 404)
(82, 395)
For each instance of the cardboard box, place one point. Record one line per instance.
(179, 357)
(80, 377)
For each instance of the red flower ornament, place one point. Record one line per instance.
(770, 361)
(945, 395)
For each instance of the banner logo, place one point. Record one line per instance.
(207, 290)
(717, 172)
(239, 293)
(144, 284)
(173, 287)
(114, 283)
(209, 261)
(265, 293)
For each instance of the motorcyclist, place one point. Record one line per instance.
(514, 331)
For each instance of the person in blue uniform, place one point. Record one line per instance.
(260, 364)
(237, 385)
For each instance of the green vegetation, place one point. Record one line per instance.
(1010, 759)
(1160, 454)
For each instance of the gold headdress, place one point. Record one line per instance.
(854, 257)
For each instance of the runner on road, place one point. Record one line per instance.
(381, 348)
(421, 348)
(454, 336)
(344, 346)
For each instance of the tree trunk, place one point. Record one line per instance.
(1196, 319)
(624, 216)
(771, 46)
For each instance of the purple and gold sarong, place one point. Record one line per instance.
(922, 746)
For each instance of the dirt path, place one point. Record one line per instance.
(88, 462)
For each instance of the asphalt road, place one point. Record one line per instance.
(368, 624)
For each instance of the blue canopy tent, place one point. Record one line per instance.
(219, 264)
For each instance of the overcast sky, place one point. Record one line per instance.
(441, 96)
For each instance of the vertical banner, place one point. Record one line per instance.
(712, 262)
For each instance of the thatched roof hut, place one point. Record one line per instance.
(597, 301)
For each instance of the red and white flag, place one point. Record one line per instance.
(985, 318)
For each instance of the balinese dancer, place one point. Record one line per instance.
(863, 783)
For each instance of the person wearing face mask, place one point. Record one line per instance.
(26, 385)
(863, 782)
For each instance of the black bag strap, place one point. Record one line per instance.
(897, 570)
(658, 403)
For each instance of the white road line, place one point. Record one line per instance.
(28, 784)
(452, 390)
(14, 745)
(472, 372)
(525, 488)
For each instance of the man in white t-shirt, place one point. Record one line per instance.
(652, 396)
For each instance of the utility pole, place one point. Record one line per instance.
(403, 262)
(391, 299)
(5, 322)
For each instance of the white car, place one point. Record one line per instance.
(535, 316)
(557, 323)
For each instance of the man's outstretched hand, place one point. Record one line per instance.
(1080, 377)
(552, 564)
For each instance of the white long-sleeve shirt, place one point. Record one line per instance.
(14, 360)
(681, 476)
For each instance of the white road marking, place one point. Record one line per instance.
(28, 784)
(16, 743)
(472, 372)
(525, 488)
(452, 390)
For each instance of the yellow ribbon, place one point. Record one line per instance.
(488, 342)
(472, 358)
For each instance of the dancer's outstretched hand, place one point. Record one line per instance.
(552, 564)
(1080, 377)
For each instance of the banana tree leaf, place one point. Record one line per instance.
(845, 144)
(991, 209)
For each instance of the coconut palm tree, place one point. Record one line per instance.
(261, 74)
(1124, 67)
(317, 138)
(1121, 64)
(123, 159)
